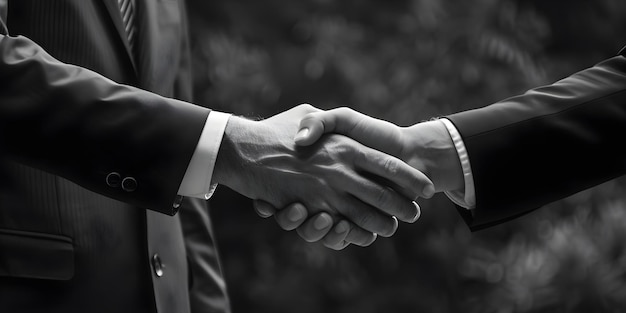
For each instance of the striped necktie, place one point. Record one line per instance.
(127, 8)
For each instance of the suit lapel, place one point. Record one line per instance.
(158, 41)
(116, 17)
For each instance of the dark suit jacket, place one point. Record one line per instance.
(547, 144)
(82, 158)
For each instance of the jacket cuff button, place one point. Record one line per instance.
(129, 184)
(113, 179)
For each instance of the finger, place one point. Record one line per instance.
(379, 203)
(355, 235)
(292, 216)
(316, 227)
(314, 125)
(363, 215)
(378, 134)
(411, 182)
(339, 246)
(419, 210)
(336, 237)
(263, 209)
(360, 237)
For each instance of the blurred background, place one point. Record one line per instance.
(407, 61)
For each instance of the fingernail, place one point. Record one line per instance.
(342, 227)
(322, 222)
(263, 214)
(302, 134)
(419, 212)
(296, 214)
(428, 191)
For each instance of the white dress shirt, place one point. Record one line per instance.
(197, 180)
(465, 198)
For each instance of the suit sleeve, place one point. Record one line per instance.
(77, 124)
(546, 144)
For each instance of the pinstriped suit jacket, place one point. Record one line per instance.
(69, 240)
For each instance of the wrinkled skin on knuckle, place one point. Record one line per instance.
(306, 107)
(390, 166)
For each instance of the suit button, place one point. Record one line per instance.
(113, 179)
(129, 184)
(177, 201)
(157, 266)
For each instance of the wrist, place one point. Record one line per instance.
(229, 164)
(430, 149)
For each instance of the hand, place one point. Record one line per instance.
(426, 146)
(336, 174)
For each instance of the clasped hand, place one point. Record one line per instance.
(354, 190)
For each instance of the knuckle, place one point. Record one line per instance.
(308, 118)
(391, 166)
(359, 156)
(343, 110)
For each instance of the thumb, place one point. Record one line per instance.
(341, 120)
(312, 127)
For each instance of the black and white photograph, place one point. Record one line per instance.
(312, 156)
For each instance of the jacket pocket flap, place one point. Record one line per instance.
(36, 255)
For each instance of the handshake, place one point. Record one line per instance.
(337, 176)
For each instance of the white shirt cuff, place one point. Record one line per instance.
(464, 198)
(197, 180)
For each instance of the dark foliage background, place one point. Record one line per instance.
(406, 61)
